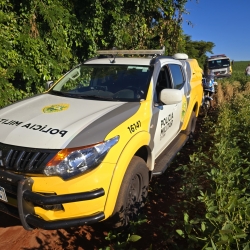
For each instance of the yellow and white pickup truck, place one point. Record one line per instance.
(86, 149)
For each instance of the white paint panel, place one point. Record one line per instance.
(167, 126)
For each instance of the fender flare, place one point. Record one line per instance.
(140, 139)
(193, 106)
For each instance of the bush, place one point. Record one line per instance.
(218, 176)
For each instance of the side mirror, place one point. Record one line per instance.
(48, 84)
(171, 96)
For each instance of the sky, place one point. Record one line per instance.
(226, 23)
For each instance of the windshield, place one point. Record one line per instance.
(105, 82)
(217, 64)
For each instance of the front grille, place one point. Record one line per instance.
(222, 72)
(25, 160)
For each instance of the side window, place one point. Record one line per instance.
(177, 75)
(163, 81)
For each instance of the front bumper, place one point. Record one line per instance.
(22, 201)
(222, 75)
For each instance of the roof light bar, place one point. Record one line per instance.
(131, 52)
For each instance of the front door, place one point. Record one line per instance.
(167, 117)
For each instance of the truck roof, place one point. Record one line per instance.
(217, 57)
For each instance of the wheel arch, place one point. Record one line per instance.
(190, 123)
(137, 146)
(196, 109)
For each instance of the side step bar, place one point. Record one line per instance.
(164, 159)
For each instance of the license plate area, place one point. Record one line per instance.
(3, 196)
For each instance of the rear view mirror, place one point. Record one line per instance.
(171, 96)
(48, 84)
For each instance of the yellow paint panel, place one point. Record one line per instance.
(98, 178)
(196, 92)
(127, 130)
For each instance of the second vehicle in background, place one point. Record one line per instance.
(219, 65)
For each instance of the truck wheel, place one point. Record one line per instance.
(132, 195)
(191, 125)
(203, 110)
(208, 104)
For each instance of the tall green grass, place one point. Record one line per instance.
(240, 66)
(218, 175)
(239, 72)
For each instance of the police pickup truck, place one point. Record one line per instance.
(86, 149)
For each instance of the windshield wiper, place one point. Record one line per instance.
(97, 97)
(54, 92)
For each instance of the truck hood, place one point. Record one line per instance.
(53, 122)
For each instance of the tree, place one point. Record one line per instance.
(42, 39)
(129, 24)
(197, 49)
(37, 40)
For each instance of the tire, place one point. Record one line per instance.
(207, 104)
(132, 195)
(203, 111)
(191, 125)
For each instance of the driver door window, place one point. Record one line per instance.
(163, 81)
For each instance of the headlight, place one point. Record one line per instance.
(70, 162)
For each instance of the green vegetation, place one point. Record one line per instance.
(43, 39)
(197, 49)
(223, 165)
(238, 78)
(240, 66)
